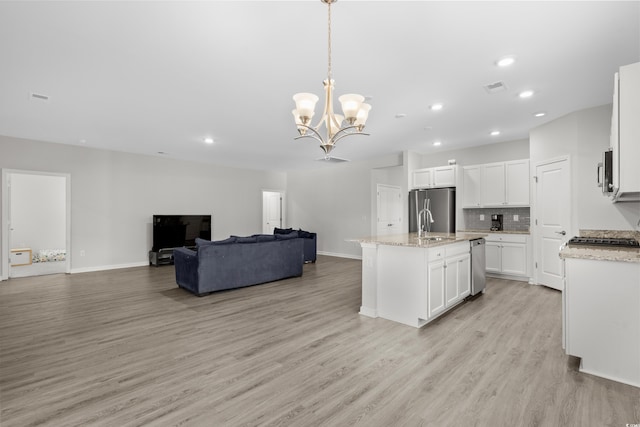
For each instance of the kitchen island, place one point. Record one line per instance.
(414, 280)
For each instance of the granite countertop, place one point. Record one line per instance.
(411, 239)
(600, 253)
(496, 232)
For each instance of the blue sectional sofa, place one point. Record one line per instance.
(238, 261)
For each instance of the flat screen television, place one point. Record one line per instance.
(175, 231)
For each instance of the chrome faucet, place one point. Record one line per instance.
(428, 219)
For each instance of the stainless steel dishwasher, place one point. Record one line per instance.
(478, 266)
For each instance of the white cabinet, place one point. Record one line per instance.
(423, 178)
(601, 317)
(507, 254)
(436, 288)
(493, 184)
(449, 276)
(496, 184)
(625, 134)
(516, 178)
(441, 176)
(472, 186)
(458, 278)
(505, 183)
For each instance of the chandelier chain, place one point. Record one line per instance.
(329, 40)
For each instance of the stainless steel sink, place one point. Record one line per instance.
(432, 239)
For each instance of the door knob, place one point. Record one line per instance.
(561, 232)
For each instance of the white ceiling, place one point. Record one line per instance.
(149, 77)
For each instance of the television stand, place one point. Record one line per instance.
(163, 256)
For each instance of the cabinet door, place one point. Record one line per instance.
(444, 176)
(458, 278)
(517, 183)
(422, 178)
(493, 258)
(436, 278)
(471, 186)
(464, 275)
(514, 258)
(451, 281)
(493, 185)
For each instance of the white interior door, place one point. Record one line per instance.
(389, 209)
(271, 211)
(552, 220)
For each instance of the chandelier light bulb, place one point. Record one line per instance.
(305, 104)
(351, 105)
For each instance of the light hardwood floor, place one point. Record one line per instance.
(129, 348)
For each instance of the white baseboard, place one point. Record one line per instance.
(108, 267)
(340, 255)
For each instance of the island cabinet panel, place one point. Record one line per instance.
(402, 283)
(436, 286)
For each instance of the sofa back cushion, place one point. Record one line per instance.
(264, 237)
(282, 230)
(292, 235)
(227, 241)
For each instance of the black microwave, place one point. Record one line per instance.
(605, 172)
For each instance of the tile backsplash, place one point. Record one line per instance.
(473, 222)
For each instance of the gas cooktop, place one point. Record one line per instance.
(602, 241)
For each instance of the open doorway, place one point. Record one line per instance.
(272, 211)
(36, 229)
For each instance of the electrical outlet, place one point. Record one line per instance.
(481, 217)
(516, 218)
(82, 252)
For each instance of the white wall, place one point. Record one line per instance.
(114, 195)
(335, 202)
(498, 152)
(38, 207)
(584, 136)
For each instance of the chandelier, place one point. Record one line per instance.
(337, 126)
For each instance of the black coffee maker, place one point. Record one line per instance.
(496, 222)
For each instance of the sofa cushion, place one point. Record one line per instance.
(264, 237)
(282, 230)
(202, 242)
(249, 239)
(305, 234)
(292, 235)
(226, 241)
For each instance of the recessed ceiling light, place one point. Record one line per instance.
(83, 141)
(437, 144)
(539, 114)
(506, 61)
(526, 94)
(436, 107)
(495, 133)
(208, 140)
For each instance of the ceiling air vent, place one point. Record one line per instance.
(495, 87)
(38, 97)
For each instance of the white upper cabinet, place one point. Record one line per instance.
(493, 184)
(444, 176)
(472, 186)
(625, 134)
(441, 176)
(423, 178)
(496, 184)
(516, 174)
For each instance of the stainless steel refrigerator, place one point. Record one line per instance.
(442, 204)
